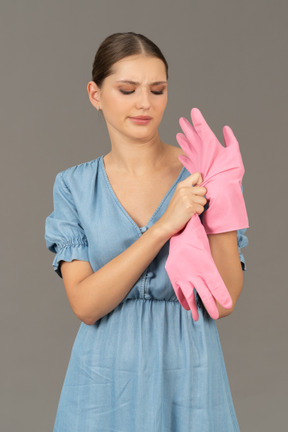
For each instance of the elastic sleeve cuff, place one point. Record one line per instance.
(69, 251)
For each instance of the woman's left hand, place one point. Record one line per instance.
(222, 170)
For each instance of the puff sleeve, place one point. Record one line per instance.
(64, 234)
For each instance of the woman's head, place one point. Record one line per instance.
(118, 46)
(129, 80)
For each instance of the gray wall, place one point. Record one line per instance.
(227, 58)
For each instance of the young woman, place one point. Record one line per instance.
(139, 361)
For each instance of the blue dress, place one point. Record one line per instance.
(146, 366)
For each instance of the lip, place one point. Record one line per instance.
(142, 117)
(141, 120)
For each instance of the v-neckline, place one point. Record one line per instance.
(123, 208)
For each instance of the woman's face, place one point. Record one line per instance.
(137, 87)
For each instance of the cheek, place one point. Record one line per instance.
(115, 109)
(122, 104)
(114, 101)
(161, 105)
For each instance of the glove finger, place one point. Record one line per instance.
(186, 145)
(190, 132)
(181, 297)
(220, 292)
(193, 304)
(229, 138)
(217, 287)
(235, 153)
(186, 162)
(206, 297)
(201, 126)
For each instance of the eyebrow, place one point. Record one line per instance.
(134, 82)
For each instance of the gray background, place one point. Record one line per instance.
(228, 58)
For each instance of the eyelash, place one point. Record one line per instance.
(127, 93)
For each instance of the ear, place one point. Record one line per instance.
(94, 94)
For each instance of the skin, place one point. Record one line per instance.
(137, 157)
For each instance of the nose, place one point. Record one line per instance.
(143, 100)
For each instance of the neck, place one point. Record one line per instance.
(138, 158)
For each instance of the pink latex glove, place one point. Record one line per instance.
(222, 171)
(190, 265)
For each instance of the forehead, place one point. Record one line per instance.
(139, 68)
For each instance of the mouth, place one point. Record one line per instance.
(141, 120)
(142, 117)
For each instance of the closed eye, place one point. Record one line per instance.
(152, 91)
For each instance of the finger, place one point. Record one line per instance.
(176, 287)
(221, 293)
(229, 137)
(219, 289)
(189, 130)
(199, 192)
(186, 145)
(192, 302)
(181, 297)
(206, 297)
(195, 315)
(201, 126)
(194, 179)
(204, 183)
(186, 162)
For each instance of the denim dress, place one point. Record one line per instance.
(146, 366)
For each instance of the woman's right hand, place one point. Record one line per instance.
(185, 202)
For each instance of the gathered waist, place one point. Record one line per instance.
(163, 300)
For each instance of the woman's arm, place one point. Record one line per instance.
(93, 295)
(224, 251)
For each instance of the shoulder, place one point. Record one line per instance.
(172, 154)
(79, 174)
(174, 151)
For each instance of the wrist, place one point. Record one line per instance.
(161, 231)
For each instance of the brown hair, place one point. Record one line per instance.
(119, 45)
